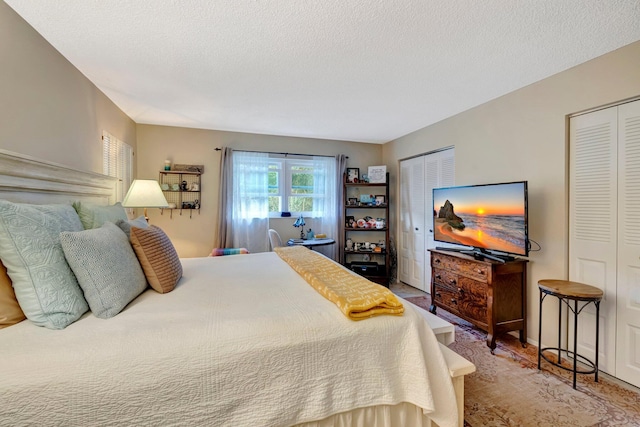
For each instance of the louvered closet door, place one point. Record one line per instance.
(628, 290)
(593, 227)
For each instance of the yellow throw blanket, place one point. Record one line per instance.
(357, 297)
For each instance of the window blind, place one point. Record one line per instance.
(117, 161)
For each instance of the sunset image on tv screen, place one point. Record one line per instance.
(491, 217)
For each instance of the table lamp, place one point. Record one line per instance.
(145, 193)
(300, 223)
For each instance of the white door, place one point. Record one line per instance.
(628, 289)
(411, 248)
(440, 172)
(593, 202)
(418, 177)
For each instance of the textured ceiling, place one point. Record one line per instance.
(358, 70)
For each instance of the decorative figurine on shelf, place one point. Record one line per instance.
(310, 234)
(349, 244)
(300, 223)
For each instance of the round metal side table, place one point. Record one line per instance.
(566, 292)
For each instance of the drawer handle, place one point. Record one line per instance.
(452, 281)
(453, 301)
(460, 290)
(437, 261)
(479, 271)
(438, 295)
(438, 277)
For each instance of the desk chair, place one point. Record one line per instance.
(274, 239)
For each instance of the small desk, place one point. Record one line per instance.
(310, 243)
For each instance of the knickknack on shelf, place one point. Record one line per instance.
(182, 188)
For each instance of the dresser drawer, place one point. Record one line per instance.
(474, 269)
(446, 297)
(467, 305)
(445, 278)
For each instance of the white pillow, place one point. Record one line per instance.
(106, 267)
(93, 216)
(140, 222)
(45, 286)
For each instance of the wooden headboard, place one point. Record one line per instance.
(26, 179)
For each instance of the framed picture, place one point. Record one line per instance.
(366, 199)
(352, 201)
(380, 200)
(377, 174)
(353, 174)
(350, 222)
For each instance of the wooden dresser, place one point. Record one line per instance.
(489, 294)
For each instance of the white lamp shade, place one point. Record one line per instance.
(145, 193)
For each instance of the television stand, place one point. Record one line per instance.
(490, 295)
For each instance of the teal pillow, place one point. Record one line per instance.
(106, 267)
(140, 222)
(93, 216)
(45, 286)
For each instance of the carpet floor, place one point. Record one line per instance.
(507, 388)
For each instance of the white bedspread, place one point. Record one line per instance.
(241, 341)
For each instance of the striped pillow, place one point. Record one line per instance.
(157, 256)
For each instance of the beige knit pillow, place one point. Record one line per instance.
(10, 311)
(157, 256)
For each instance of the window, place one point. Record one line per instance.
(117, 161)
(291, 187)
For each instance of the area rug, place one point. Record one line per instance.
(507, 388)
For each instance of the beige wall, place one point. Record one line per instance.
(194, 237)
(522, 136)
(49, 109)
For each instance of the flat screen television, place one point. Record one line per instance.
(491, 220)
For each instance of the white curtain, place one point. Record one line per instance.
(250, 207)
(326, 209)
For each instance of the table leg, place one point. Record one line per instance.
(540, 329)
(575, 342)
(560, 302)
(597, 303)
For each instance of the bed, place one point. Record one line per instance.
(242, 340)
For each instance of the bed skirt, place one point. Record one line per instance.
(402, 414)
